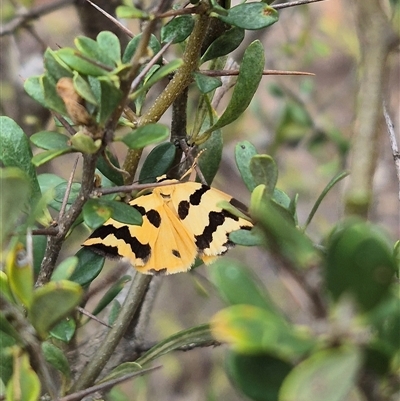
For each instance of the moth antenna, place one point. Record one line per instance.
(194, 169)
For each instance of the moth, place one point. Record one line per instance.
(181, 221)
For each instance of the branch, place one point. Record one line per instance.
(376, 39)
(132, 301)
(226, 73)
(26, 16)
(393, 143)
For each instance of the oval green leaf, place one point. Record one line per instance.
(205, 83)
(259, 377)
(327, 375)
(264, 171)
(95, 213)
(237, 285)
(130, 50)
(251, 16)
(109, 44)
(53, 302)
(55, 357)
(250, 74)
(146, 135)
(178, 29)
(359, 262)
(65, 269)
(157, 163)
(48, 155)
(15, 151)
(224, 44)
(50, 140)
(89, 267)
(244, 152)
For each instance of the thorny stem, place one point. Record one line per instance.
(180, 81)
(54, 243)
(132, 302)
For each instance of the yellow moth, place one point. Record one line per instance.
(181, 221)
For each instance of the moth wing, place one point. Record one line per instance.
(116, 239)
(209, 223)
(174, 251)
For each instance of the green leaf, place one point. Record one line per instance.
(281, 234)
(157, 163)
(124, 213)
(259, 377)
(109, 172)
(50, 140)
(247, 238)
(110, 97)
(177, 29)
(130, 50)
(20, 274)
(14, 196)
(60, 190)
(250, 74)
(210, 159)
(109, 44)
(83, 89)
(84, 143)
(6, 361)
(34, 88)
(264, 171)
(65, 269)
(162, 72)
(15, 151)
(244, 152)
(250, 16)
(51, 97)
(48, 155)
(24, 384)
(360, 263)
(89, 267)
(331, 184)
(51, 303)
(145, 135)
(5, 289)
(39, 248)
(91, 49)
(205, 83)
(237, 284)
(111, 294)
(250, 329)
(65, 330)
(224, 44)
(54, 66)
(55, 357)
(130, 12)
(72, 58)
(195, 335)
(327, 375)
(96, 213)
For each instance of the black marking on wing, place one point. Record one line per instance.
(194, 200)
(176, 253)
(215, 219)
(154, 217)
(141, 251)
(158, 272)
(105, 250)
(238, 205)
(183, 209)
(140, 209)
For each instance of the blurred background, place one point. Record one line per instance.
(305, 123)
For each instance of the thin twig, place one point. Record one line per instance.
(294, 4)
(91, 316)
(111, 18)
(68, 189)
(27, 16)
(64, 123)
(105, 386)
(146, 69)
(226, 73)
(45, 231)
(393, 143)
